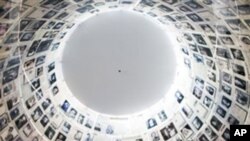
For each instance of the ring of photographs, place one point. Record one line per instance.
(214, 41)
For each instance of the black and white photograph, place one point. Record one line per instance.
(155, 136)
(30, 102)
(194, 5)
(44, 45)
(151, 123)
(205, 51)
(40, 60)
(52, 78)
(10, 75)
(169, 131)
(60, 137)
(14, 61)
(14, 113)
(72, 113)
(66, 127)
(210, 89)
(80, 119)
(39, 94)
(35, 25)
(51, 66)
(33, 47)
(164, 8)
(36, 114)
(49, 133)
(50, 14)
(197, 123)
(226, 88)
(59, 25)
(11, 38)
(226, 135)
(28, 36)
(187, 131)
(216, 123)
(226, 102)
(162, 115)
(39, 71)
(203, 138)
(237, 54)
(242, 98)
(85, 9)
(194, 17)
(221, 112)
(210, 133)
(226, 77)
(4, 120)
(44, 120)
(226, 40)
(12, 102)
(35, 84)
(207, 28)
(21, 121)
(197, 92)
(27, 130)
(78, 135)
(55, 90)
(188, 112)
(179, 96)
(232, 120)
(238, 69)
(199, 39)
(46, 103)
(208, 102)
(9, 135)
(224, 53)
(240, 83)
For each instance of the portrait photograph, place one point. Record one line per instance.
(151, 123)
(169, 131)
(186, 131)
(36, 114)
(21, 121)
(4, 120)
(221, 112)
(44, 46)
(216, 123)
(197, 123)
(60, 137)
(49, 132)
(210, 133)
(10, 75)
(240, 83)
(27, 130)
(50, 14)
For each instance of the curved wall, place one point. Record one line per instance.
(211, 90)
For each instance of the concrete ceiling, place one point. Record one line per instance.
(119, 63)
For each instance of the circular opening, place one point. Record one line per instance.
(119, 62)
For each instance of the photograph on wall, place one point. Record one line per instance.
(4, 120)
(151, 123)
(169, 131)
(187, 131)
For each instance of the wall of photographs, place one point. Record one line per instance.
(210, 93)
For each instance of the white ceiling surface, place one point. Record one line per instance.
(113, 41)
